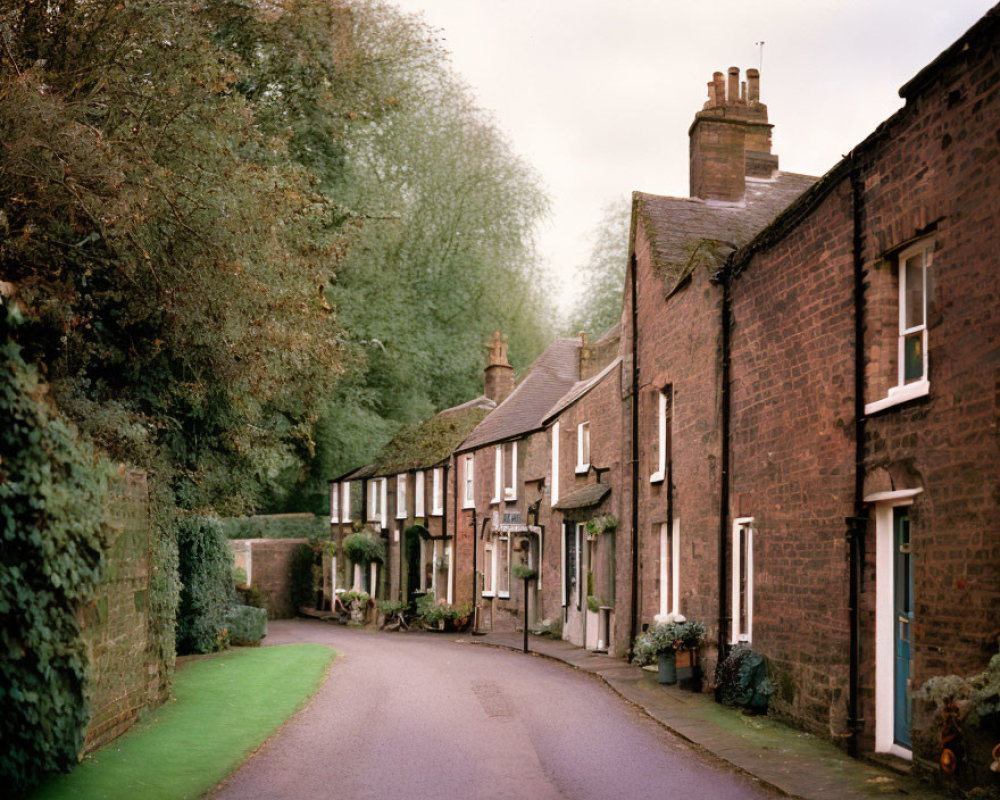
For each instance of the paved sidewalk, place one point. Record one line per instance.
(790, 761)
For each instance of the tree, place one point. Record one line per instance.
(602, 278)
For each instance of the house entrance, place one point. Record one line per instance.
(903, 616)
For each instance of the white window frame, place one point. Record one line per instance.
(489, 568)
(374, 495)
(738, 635)
(510, 492)
(581, 430)
(497, 474)
(334, 502)
(903, 391)
(345, 501)
(554, 495)
(422, 578)
(437, 494)
(419, 495)
(670, 573)
(885, 651)
(503, 595)
(401, 496)
(661, 458)
(470, 481)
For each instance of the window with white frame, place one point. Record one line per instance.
(670, 551)
(510, 471)
(418, 494)
(437, 496)
(554, 496)
(401, 496)
(914, 285)
(742, 580)
(662, 435)
(583, 447)
(334, 502)
(470, 482)
(345, 502)
(503, 566)
(489, 568)
(497, 474)
(377, 511)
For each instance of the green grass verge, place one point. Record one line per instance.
(224, 707)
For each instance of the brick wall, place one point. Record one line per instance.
(124, 673)
(793, 456)
(271, 571)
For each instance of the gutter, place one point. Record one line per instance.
(857, 524)
(634, 616)
(726, 401)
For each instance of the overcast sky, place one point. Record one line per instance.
(598, 95)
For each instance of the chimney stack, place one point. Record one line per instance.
(730, 139)
(499, 374)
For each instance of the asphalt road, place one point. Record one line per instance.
(421, 716)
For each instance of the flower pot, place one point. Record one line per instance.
(667, 663)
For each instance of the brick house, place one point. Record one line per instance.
(502, 515)
(865, 350)
(672, 331)
(404, 498)
(585, 479)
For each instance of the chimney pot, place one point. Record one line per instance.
(720, 88)
(499, 374)
(753, 85)
(734, 84)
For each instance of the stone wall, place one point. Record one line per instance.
(124, 674)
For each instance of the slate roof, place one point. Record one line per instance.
(685, 232)
(580, 388)
(586, 497)
(432, 442)
(553, 374)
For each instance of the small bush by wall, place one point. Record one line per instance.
(52, 499)
(246, 625)
(207, 591)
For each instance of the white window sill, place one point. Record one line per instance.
(401, 516)
(503, 595)
(582, 468)
(657, 477)
(467, 504)
(898, 395)
(334, 520)
(510, 494)
(437, 512)
(494, 501)
(488, 594)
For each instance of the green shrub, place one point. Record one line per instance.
(277, 526)
(430, 612)
(523, 572)
(52, 499)
(742, 680)
(239, 576)
(246, 625)
(207, 592)
(364, 548)
(301, 585)
(254, 596)
(390, 608)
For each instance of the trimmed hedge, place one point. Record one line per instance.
(278, 526)
(247, 625)
(207, 591)
(52, 537)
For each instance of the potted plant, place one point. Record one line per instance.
(441, 616)
(691, 635)
(663, 642)
(357, 604)
(394, 614)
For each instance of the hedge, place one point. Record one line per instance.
(277, 526)
(52, 499)
(207, 591)
(246, 625)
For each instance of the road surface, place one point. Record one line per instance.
(415, 716)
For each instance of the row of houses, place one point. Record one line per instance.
(791, 436)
